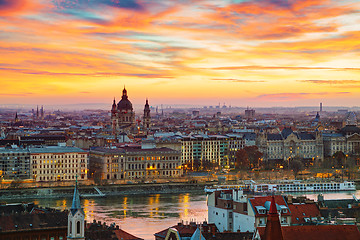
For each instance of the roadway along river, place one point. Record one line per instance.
(144, 215)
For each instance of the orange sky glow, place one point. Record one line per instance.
(242, 53)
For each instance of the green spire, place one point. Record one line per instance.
(76, 205)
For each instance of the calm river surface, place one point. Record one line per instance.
(144, 215)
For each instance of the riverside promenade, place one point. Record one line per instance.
(106, 190)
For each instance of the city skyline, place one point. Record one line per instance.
(259, 53)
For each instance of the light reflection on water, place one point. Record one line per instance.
(140, 215)
(144, 215)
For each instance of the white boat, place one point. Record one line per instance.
(210, 189)
(316, 186)
(288, 186)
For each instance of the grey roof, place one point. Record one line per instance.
(350, 129)
(286, 132)
(250, 136)
(55, 149)
(132, 150)
(306, 136)
(274, 136)
(333, 135)
(13, 150)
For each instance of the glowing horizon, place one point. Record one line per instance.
(257, 53)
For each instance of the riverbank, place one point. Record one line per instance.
(108, 190)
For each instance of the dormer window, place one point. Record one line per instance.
(262, 211)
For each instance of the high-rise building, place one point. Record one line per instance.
(122, 115)
(42, 112)
(249, 113)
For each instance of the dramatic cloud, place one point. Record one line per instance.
(336, 82)
(294, 96)
(282, 68)
(236, 80)
(71, 4)
(180, 49)
(11, 7)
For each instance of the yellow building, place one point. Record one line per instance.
(58, 163)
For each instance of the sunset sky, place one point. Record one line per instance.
(242, 53)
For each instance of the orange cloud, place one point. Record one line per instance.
(294, 96)
(168, 48)
(15, 7)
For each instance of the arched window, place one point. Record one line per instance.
(70, 227)
(78, 227)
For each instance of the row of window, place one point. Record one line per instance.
(59, 161)
(59, 166)
(58, 156)
(58, 171)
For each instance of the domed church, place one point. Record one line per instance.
(122, 114)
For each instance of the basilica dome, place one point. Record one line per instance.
(124, 103)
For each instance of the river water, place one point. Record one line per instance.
(144, 215)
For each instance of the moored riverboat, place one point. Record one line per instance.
(288, 186)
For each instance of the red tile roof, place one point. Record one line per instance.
(303, 210)
(30, 222)
(273, 227)
(121, 234)
(185, 230)
(317, 232)
(261, 200)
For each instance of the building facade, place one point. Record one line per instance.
(135, 163)
(286, 145)
(347, 140)
(231, 210)
(203, 148)
(57, 163)
(14, 163)
(219, 150)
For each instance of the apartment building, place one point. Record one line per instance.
(217, 149)
(135, 163)
(58, 163)
(231, 210)
(14, 163)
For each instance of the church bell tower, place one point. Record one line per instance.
(76, 218)
(147, 118)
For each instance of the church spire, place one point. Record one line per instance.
(76, 205)
(273, 226)
(124, 96)
(113, 105)
(76, 218)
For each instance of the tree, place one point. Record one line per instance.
(339, 158)
(248, 157)
(209, 165)
(296, 165)
(242, 159)
(254, 156)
